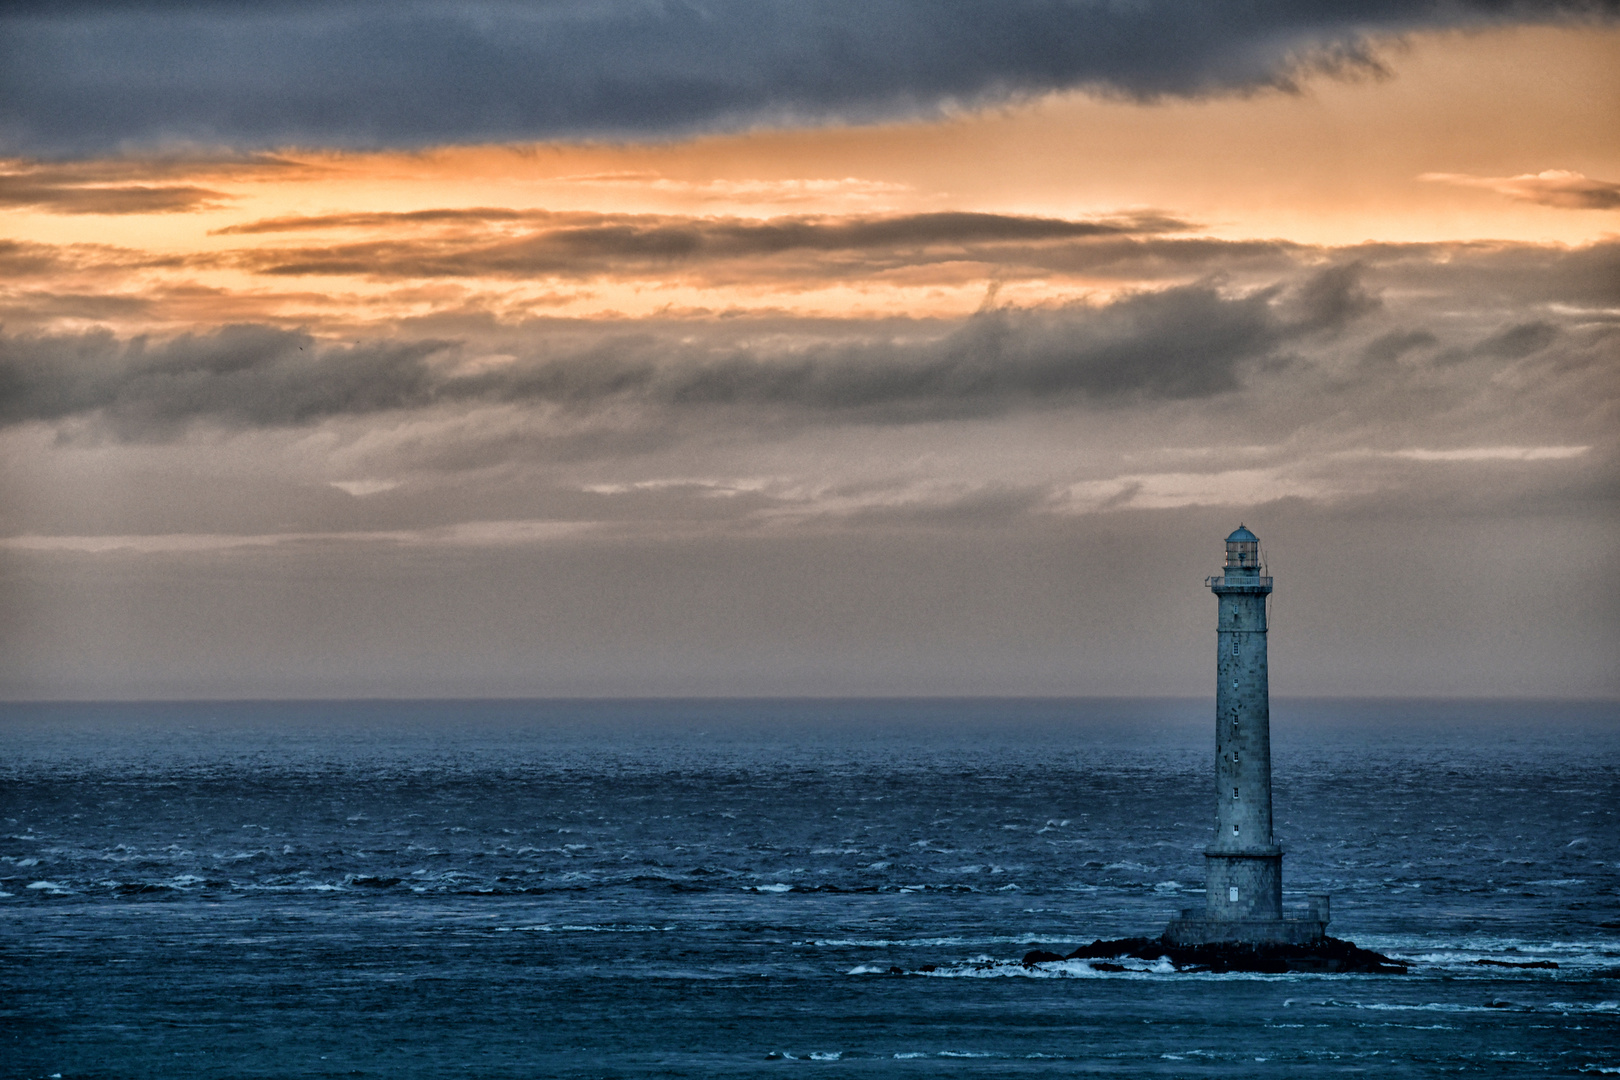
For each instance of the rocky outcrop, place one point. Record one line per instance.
(1327, 956)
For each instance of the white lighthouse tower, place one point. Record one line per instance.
(1243, 867)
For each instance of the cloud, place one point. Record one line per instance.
(20, 258)
(1495, 453)
(1178, 343)
(587, 244)
(1163, 491)
(1554, 187)
(380, 219)
(361, 488)
(1518, 341)
(91, 76)
(465, 534)
(58, 194)
(252, 375)
(1388, 348)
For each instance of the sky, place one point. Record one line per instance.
(763, 347)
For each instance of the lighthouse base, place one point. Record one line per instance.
(1195, 927)
(1191, 928)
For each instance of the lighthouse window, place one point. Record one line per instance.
(1231, 893)
(1234, 644)
(1234, 830)
(1234, 760)
(1234, 793)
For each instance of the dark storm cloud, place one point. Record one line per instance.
(1186, 342)
(85, 77)
(583, 244)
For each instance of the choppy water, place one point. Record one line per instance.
(527, 889)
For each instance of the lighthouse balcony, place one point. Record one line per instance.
(1238, 584)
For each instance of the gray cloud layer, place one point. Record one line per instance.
(1179, 343)
(682, 504)
(85, 77)
(585, 244)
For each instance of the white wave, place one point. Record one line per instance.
(1518, 957)
(814, 1055)
(1428, 1006)
(546, 928)
(777, 888)
(1002, 969)
(53, 887)
(927, 942)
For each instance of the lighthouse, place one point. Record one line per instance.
(1243, 866)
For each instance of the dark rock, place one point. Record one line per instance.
(375, 882)
(1326, 956)
(1518, 964)
(1040, 956)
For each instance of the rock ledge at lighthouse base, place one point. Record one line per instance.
(1326, 955)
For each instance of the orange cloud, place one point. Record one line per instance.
(1553, 187)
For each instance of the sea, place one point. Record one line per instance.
(697, 888)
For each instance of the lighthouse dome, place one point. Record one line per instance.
(1242, 536)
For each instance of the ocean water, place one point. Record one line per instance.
(713, 888)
